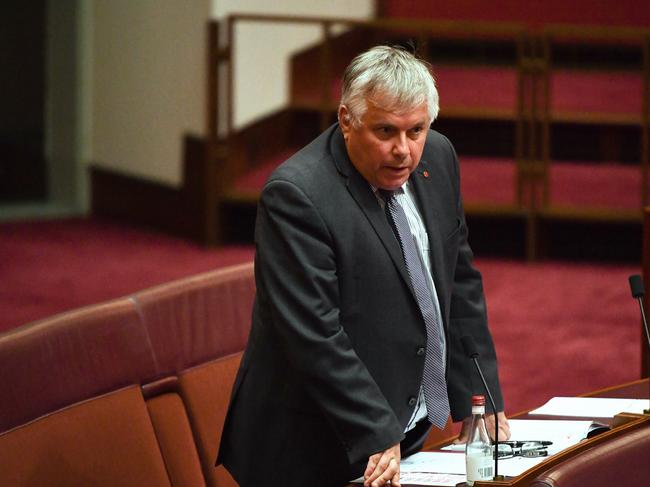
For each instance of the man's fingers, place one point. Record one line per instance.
(385, 469)
(379, 469)
(463, 436)
(389, 474)
(395, 480)
(504, 431)
(372, 464)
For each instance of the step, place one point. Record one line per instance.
(490, 92)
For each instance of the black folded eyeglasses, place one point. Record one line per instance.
(528, 449)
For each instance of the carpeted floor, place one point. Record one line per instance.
(560, 329)
(52, 266)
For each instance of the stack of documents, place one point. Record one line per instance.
(590, 407)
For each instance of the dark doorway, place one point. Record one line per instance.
(22, 101)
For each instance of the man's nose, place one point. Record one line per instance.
(400, 148)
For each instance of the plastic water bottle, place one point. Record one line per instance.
(478, 451)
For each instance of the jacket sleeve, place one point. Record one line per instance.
(297, 275)
(468, 316)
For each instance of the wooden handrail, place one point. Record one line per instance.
(589, 33)
(466, 29)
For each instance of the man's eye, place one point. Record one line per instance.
(415, 132)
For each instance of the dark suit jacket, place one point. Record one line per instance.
(332, 367)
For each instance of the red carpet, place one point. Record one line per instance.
(558, 328)
(561, 329)
(52, 266)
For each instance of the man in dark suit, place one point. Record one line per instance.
(351, 358)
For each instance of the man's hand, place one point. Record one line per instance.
(504, 427)
(383, 468)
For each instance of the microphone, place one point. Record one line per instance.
(470, 350)
(637, 289)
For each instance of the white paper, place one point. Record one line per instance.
(420, 478)
(434, 462)
(511, 467)
(431, 468)
(423, 478)
(590, 407)
(562, 433)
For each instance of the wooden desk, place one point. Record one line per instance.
(622, 424)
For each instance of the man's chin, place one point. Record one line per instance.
(393, 184)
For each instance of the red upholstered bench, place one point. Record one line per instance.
(128, 392)
(71, 409)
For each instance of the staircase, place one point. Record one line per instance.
(550, 124)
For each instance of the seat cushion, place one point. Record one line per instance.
(104, 441)
(175, 440)
(206, 390)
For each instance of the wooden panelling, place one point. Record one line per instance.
(143, 202)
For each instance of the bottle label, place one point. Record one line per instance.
(479, 467)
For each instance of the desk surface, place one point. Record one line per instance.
(639, 389)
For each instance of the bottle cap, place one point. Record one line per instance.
(478, 400)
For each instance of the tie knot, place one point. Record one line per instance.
(386, 194)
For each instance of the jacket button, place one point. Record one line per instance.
(412, 401)
(420, 351)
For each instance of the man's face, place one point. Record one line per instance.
(386, 146)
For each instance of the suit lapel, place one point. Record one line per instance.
(424, 188)
(367, 201)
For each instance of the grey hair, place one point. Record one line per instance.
(390, 74)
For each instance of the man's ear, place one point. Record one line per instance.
(345, 120)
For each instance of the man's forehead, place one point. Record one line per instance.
(392, 112)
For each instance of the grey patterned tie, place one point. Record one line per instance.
(433, 382)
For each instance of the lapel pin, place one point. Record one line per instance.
(425, 174)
